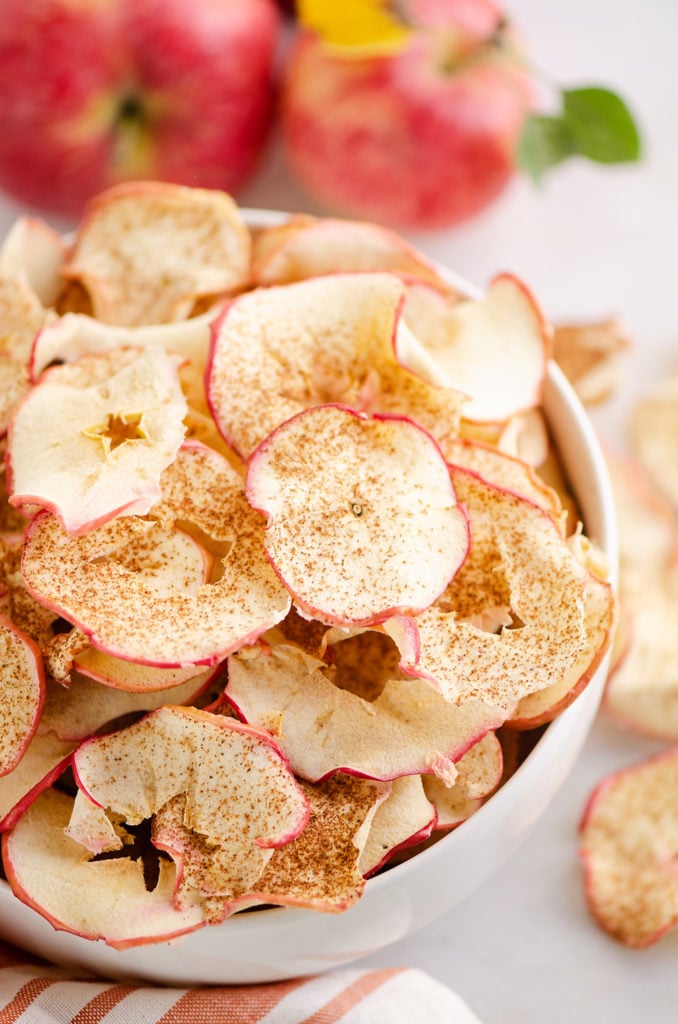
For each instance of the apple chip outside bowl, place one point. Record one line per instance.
(456, 677)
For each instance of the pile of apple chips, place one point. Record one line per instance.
(286, 560)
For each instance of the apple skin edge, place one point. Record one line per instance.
(127, 78)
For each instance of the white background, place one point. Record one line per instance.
(591, 243)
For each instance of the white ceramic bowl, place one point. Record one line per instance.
(281, 943)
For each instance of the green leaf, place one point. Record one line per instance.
(544, 142)
(601, 125)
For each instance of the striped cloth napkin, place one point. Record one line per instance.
(32, 992)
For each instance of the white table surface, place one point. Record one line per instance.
(591, 242)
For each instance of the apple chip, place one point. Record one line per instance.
(127, 675)
(370, 502)
(22, 693)
(562, 616)
(124, 588)
(145, 251)
(90, 454)
(408, 730)
(97, 898)
(405, 818)
(493, 349)
(306, 247)
(231, 787)
(33, 253)
(588, 355)
(479, 774)
(45, 758)
(629, 838)
(83, 708)
(277, 351)
(21, 317)
(654, 428)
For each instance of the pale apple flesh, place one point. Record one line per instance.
(348, 485)
(629, 835)
(405, 818)
(90, 454)
(33, 252)
(479, 773)
(43, 761)
(22, 693)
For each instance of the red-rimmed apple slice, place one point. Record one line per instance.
(278, 350)
(221, 836)
(503, 470)
(408, 730)
(320, 868)
(306, 247)
(145, 251)
(629, 838)
(494, 349)
(480, 771)
(405, 818)
(33, 252)
(654, 427)
(95, 898)
(562, 615)
(83, 708)
(116, 673)
(22, 693)
(102, 580)
(369, 502)
(46, 758)
(91, 454)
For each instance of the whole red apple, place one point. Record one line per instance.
(421, 138)
(97, 91)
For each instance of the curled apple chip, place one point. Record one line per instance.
(588, 354)
(22, 693)
(276, 351)
(406, 817)
(119, 907)
(21, 317)
(369, 501)
(222, 793)
(629, 838)
(408, 730)
(479, 774)
(90, 454)
(123, 586)
(493, 349)
(145, 251)
(306, 247)
(562, 615)
(33, 252)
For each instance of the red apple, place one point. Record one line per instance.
(95, 93)
(422, 138)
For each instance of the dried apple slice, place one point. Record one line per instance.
(276, 351)
(21, 317)
(45, 758)
(33, 252)
(227, 830)
(118, 907)
(654, 428)
(588, 354)
(563, 615)
(493, 349)
(629, 838)
(369, 502)
(479, 773)
(145, 251)
(405, 818)
(22, 693)
(126, 675)
(109, 583)
(81, 709)
(308, 247)
(90, 454)
(408, 730)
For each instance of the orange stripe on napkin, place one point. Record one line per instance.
(240, 1005)
(97, 1008)
(26, 995)
(351, 996)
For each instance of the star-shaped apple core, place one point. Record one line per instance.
(119, 428)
